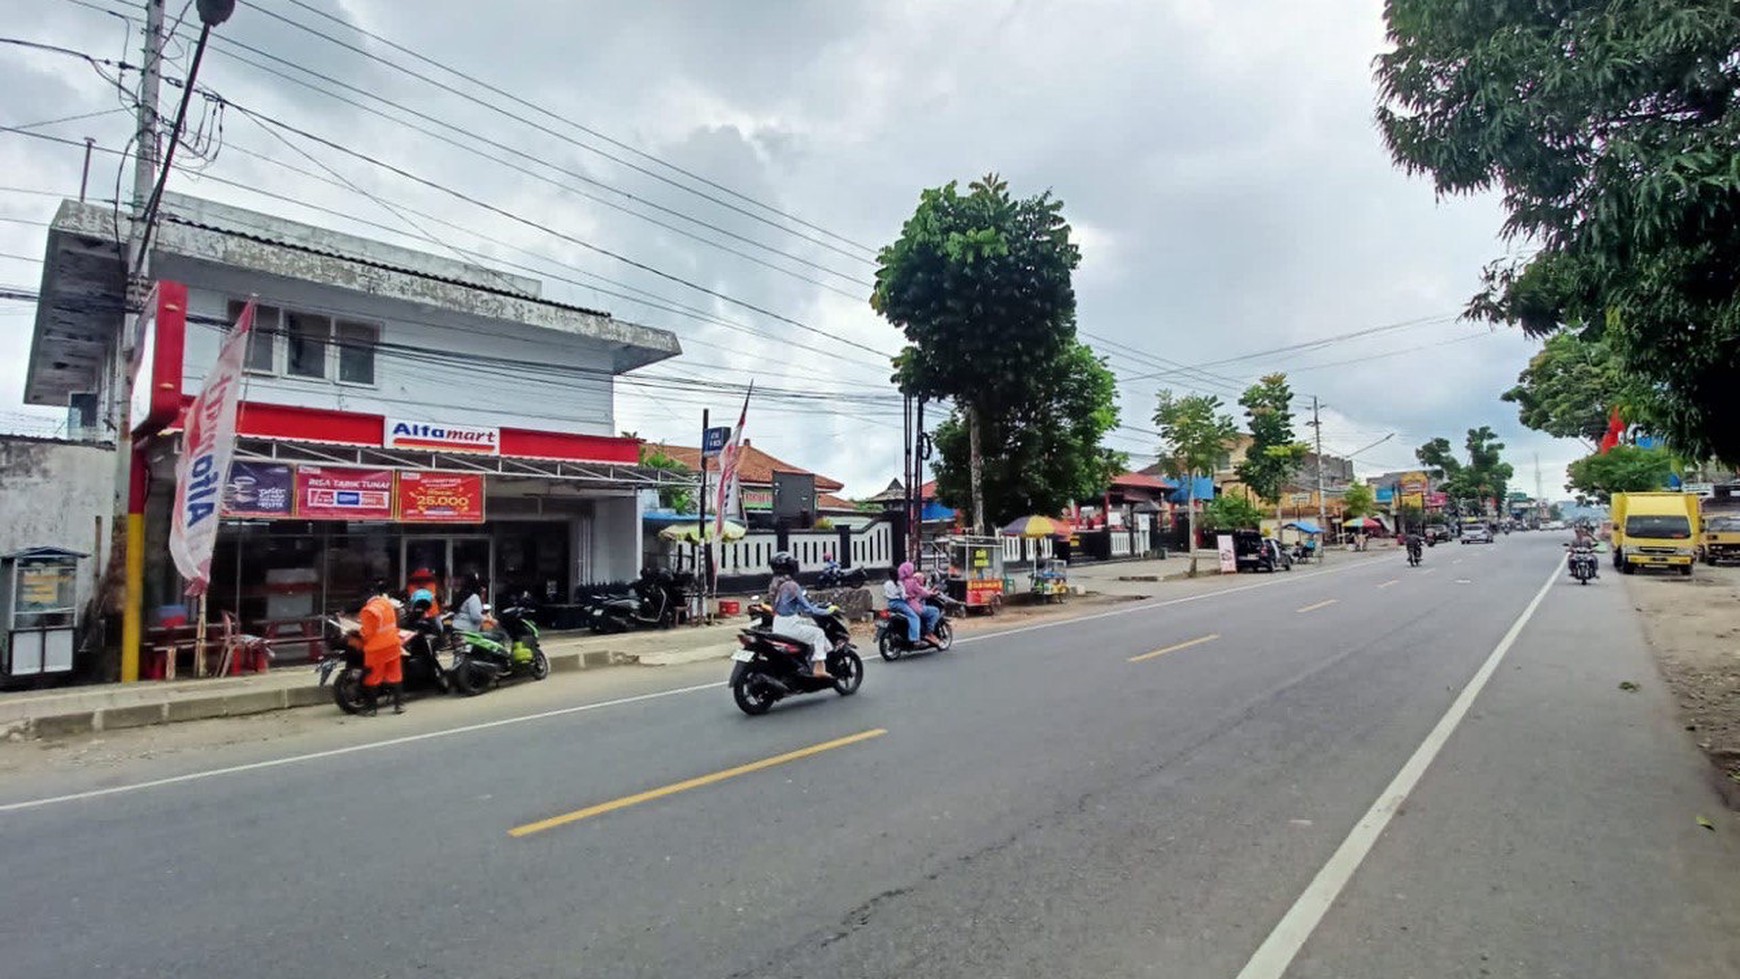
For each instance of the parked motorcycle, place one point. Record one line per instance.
(891, 631)
(487, 658)
(421, 646)
(841, 578)
(652, 602)
(1582, 564)
(768, 667)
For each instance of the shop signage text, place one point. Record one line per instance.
(403, 434)
(327, 493)
(440, 497)
(259, 489)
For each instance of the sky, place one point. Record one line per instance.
(1218, 162)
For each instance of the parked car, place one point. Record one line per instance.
(1254, 552)
(1438, 533)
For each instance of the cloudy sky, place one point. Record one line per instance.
(1217, 160)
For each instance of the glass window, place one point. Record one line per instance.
(1671, 528)
(356, 352)
(308, 336)
(262, 343)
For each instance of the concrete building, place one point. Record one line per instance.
(400, 410)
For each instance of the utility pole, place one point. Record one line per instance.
(130, 463)
(1322, 511)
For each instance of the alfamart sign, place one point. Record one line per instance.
(430, 436)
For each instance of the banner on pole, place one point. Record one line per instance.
(729, 458)
(202, 470)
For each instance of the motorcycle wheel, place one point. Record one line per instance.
(848, 673)
(471, 677)
(540, 665)
(751, 699)
(347, 691)
(885, 645)
(945, 636)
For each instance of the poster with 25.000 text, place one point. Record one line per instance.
(440, 497)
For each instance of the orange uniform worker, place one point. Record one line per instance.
(381, 650)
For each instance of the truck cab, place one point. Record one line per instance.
(1719, 540)
(1655, 530)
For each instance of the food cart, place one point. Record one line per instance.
(976, 572)
(1050, 579)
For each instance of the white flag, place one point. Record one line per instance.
(729, 495)
(208, 442)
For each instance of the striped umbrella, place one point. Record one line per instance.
(1034, 526)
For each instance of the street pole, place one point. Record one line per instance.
(131, 475)
(706, 545)
(1322, 511)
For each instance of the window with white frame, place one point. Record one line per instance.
(294, 343)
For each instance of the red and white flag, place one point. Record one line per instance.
(208, 442)
(729, 491)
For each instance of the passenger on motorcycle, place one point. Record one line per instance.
(916, 593)
(895, 593)
(793, 613)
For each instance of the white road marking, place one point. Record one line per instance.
(1389, 582)
(1278, 950)
(350, 749)
(599, 705)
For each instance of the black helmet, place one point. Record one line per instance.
(783, 563)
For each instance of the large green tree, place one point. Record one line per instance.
(1485, 476)
(1194, 433)
(1231, 512)
(1611, 129)
(980, 285)
(1275, 451)
(1358, 501)
(1040, 454)
(1622, 469)
(1570, 389)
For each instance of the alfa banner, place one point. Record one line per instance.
(202, 471)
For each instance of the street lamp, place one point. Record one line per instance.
(1374, 445)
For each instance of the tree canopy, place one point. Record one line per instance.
(980, 286)
(1041, 454)
(1570, 389)
(1485, 476)
(1275, 451)
(1231, 512)
(1358, 501)
(1622, 469)
(1610, 129)
(1194, 433)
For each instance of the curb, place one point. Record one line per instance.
(205, 706)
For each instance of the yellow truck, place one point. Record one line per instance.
(1655, 530)
(1719, 536)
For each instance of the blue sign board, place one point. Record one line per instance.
(713, 441)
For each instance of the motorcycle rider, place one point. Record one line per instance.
(379, 631)
(895, 593)
(793, 613)
(1584, 538)
(916, 593)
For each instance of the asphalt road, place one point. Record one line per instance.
(1035, 804)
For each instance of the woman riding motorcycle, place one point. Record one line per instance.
(793, 613)
(916, 593)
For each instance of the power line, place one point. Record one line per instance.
(518, 100)
(1311, 344)
(523, 155)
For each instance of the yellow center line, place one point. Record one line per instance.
(693, 783)
(1389, 582)
(1313, 608)
(1199, 640)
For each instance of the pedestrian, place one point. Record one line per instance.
(423, 578)
(379, 632)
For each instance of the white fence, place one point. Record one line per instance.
(871, 548)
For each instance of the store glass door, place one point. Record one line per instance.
(473, 556)
(451, 560)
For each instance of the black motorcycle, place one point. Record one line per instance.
(841, 578)
(769, 667)
(1582, 563)
(891, 631)
(487, 658)
(422, 642)
(652, 602)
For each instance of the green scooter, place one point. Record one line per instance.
(487, 658)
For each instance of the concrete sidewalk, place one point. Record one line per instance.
(111, 706)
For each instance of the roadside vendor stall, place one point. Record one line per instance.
(1049, 578)
(976, 572)
(1309, 537)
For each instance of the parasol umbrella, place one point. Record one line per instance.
(1034, 526)
(690, 533)
(1367, 523)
